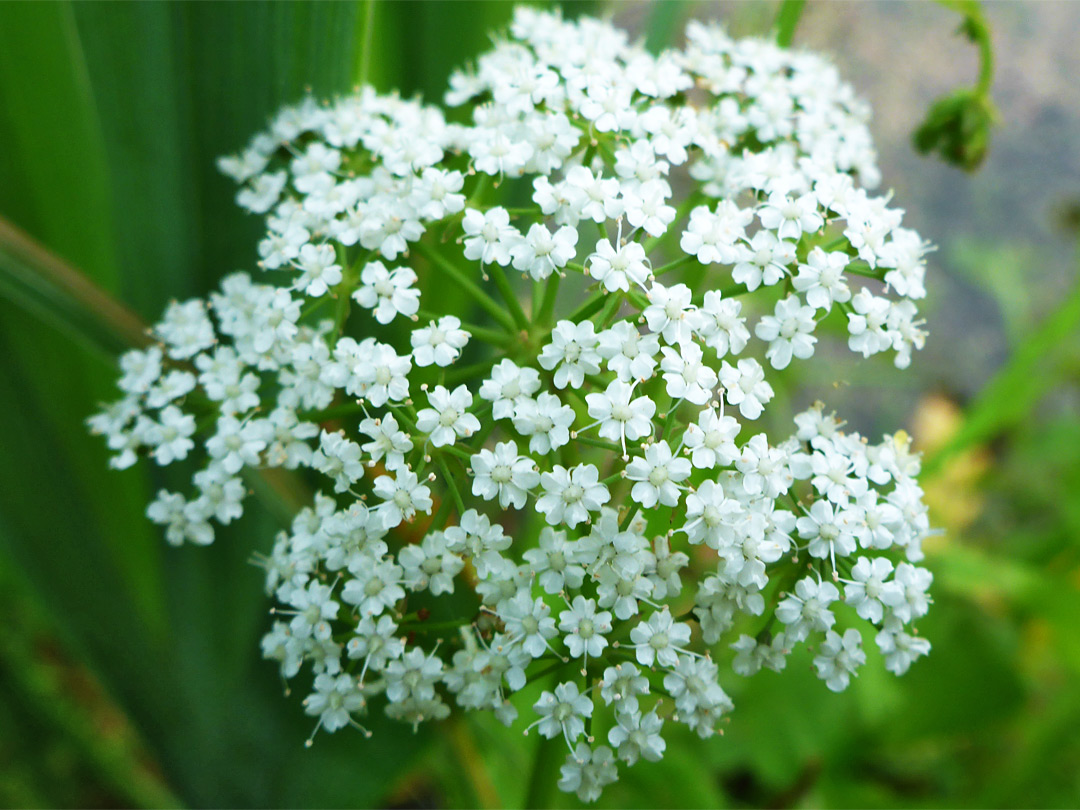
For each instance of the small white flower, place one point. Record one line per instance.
(186, 329)
(915, 583)
(238, 444)
(686, 374)
(646, 207)
(545, 420)
(503, 474)
(571, 353)
(383, 377)
(388, 293)
(439, 343)
(900, 649)
(585, 628)
(334, 700)
(489, 237)
(765, 469)
(529, 622)
(638, 736)
(790, 216)
(710, 515)
(592, 196)
(745, 386)
(413, 676)
(838, 658)
(508, 386)
(631, 355)
(659, 640)
(555, 562)
(869, 593)
(719, 325)
(711, 441)
(388, 440)
(430, 565)
(868, 324)
(570, 495)
(563, 712)
(173, 386)
(542, 253)
(765, 260)
(376, 585)
(340, 459)
(374, 643)
(319, 270)
(657, 476)
(789, 330)
(171, 436)
(588, 771)
(448, 419)
(712, 236)
(821, 279)
(751, 655)
(621, 417)
(140, 369)
(807, 609)
(621, 686)
(403, 496)
(616, 267)
(669, 311)
(220, 495)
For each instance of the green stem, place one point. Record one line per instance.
(333, 412)
(639, 300)
(786, 21)
(669, 418)
(456, 451)
(492, 336)
(343, 291)
(448, 480)
(482, 182)
(459, 375)
(611, 306)
(675, 265)
(502, 283)
(599, 443)
(367, 33)
(467, 284)
(589, 307)
(863, 269)
(547, 304)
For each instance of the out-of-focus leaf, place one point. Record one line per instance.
(958, 125)
(1026, 377)
(787, 19)
(664, 23)
(1054, 599)
(112, 119)
(39, 281)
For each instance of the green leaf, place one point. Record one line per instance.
(1033, 369)
(787, 19)
(112, 119)
(958, 125)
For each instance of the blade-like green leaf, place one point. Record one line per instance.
(1018, 386)
(113, 117)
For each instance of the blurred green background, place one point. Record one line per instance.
(129, 671)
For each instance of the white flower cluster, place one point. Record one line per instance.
(561, 496)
